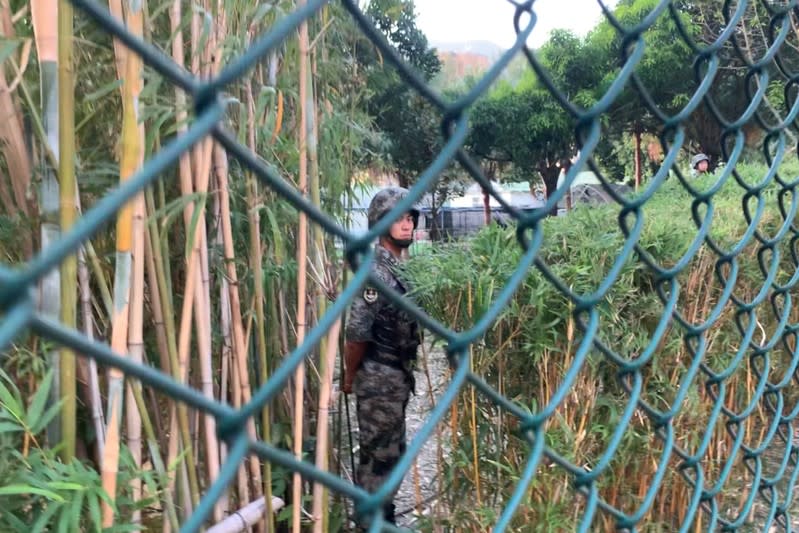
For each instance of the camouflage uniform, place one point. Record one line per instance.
(384, 380)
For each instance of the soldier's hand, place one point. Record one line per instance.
(346, 387)
(353, 355)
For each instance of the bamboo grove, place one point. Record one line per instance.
(207, 276)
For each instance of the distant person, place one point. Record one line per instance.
(700, 164)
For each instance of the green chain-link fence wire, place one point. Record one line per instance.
(17, 310)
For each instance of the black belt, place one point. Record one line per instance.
(388, 361)
(393, 350)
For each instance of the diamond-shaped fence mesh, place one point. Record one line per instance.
(19, 314)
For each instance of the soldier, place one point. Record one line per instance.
(380, 349)
(699, 164)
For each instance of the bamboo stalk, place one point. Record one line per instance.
(133, 418)
(94, 399)
(105, 291)
(155, 455)
(172, 452)
(156, 307)
(68, 192)
(44, 15)
(197, 298)
(256, 256)
(225, 327)
(88, 330)
(122, 281)
(228, 355)
(135, 23)
(302, 247)
(239, 343)
(120, 50)
(203, 176)
(188, 470)
(328, 362)
(321, 506)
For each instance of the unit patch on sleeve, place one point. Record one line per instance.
(370, 295)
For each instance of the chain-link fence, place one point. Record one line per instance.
(17, 310)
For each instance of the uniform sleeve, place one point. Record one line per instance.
(366, 306)
(363, 312)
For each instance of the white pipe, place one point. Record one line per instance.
(245, 517)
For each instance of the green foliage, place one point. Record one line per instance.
(37, 491)
(665, 70)
(397, 20)
(409, 122)
(531, 345)
(526, 129)
(526, 126)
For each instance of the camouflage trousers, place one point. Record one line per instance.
(382, 393)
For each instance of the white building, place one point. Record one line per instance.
(515, 194)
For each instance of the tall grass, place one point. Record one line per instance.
(537, 338)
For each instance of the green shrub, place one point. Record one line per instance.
(537, 338)
(38, 492)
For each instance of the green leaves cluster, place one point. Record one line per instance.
(522, 125)
(531, 344)
(409, 124)
(37, 491)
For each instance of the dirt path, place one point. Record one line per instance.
(418, 493)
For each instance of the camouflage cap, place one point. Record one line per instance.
(385, 200)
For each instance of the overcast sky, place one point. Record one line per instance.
(492, 20)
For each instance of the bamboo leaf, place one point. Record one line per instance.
(195, 219)
(65, 485)
(38, 425)
(75, 511)
(153, 132)
(15, 522)
(173, 465)
(277, 235)
(151, 90)
(10, 403)
(94, 512)
(39, 400)
(10, 427)
(263, 9)
(44, 519)
(21, 490)
(7, 48)
(265, 98)
(207, 25)
(102, 91)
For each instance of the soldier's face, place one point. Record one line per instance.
(402, 229)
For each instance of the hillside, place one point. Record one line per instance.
(463, 59)
(487, 49)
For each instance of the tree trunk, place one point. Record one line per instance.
(487, 206)
(549, 174)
